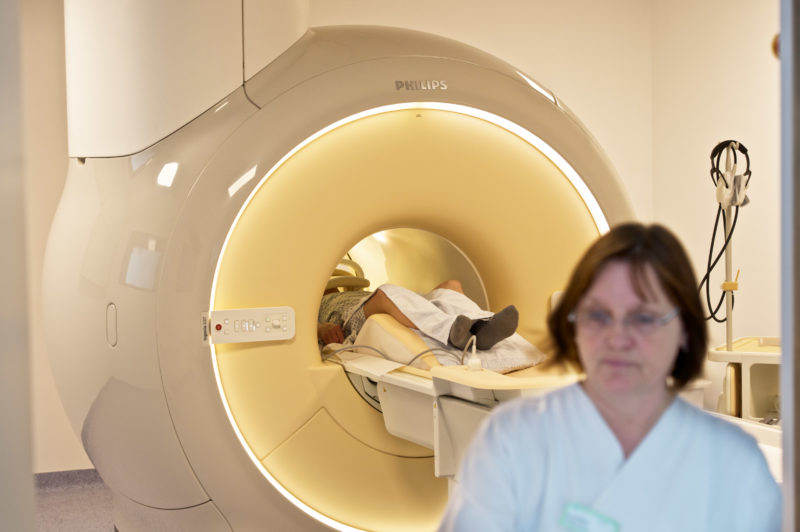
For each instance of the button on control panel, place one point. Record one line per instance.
(251, 325)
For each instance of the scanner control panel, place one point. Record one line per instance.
(250, 325)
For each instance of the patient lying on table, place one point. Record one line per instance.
(445, 317)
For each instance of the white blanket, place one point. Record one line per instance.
(434, 314)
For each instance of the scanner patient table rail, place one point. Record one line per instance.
(442, 408)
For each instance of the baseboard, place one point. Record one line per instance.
(66, 479)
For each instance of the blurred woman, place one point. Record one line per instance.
(619, 451)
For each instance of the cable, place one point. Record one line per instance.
(447, 352)
(711, 265)
(732, 193)
(352, 346)
(431, 350)
(460, 360)
(473, 362)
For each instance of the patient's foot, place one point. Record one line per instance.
(491, 330)
(460, 331)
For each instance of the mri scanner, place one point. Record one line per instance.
(420, 158)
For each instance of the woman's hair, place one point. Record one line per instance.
(639, 246)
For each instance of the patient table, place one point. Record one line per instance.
(438, 407)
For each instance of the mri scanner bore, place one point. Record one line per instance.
(491, 181)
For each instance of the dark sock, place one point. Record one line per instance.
(491, 330)
(460, 331)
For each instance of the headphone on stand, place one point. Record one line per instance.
(731, 193)
(731, 187)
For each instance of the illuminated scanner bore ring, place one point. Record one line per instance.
(576, 181)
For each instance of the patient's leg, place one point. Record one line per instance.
(460, 331)
(427, 315)
(379, 303)
(487, 331)
(451, 284)
(500, 326)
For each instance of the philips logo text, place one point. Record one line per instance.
(420, 85)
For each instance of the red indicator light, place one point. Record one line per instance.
(218, 327)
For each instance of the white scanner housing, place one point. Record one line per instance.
(352, 132)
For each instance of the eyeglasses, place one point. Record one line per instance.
(642, 323)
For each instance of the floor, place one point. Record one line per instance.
(73, 501)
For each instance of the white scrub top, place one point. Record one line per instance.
(552, 463)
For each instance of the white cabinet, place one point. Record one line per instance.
(759, 359)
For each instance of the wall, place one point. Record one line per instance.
(715, 78)
(56, 447)
(16, 486)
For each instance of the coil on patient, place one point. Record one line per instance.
(347, 275)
